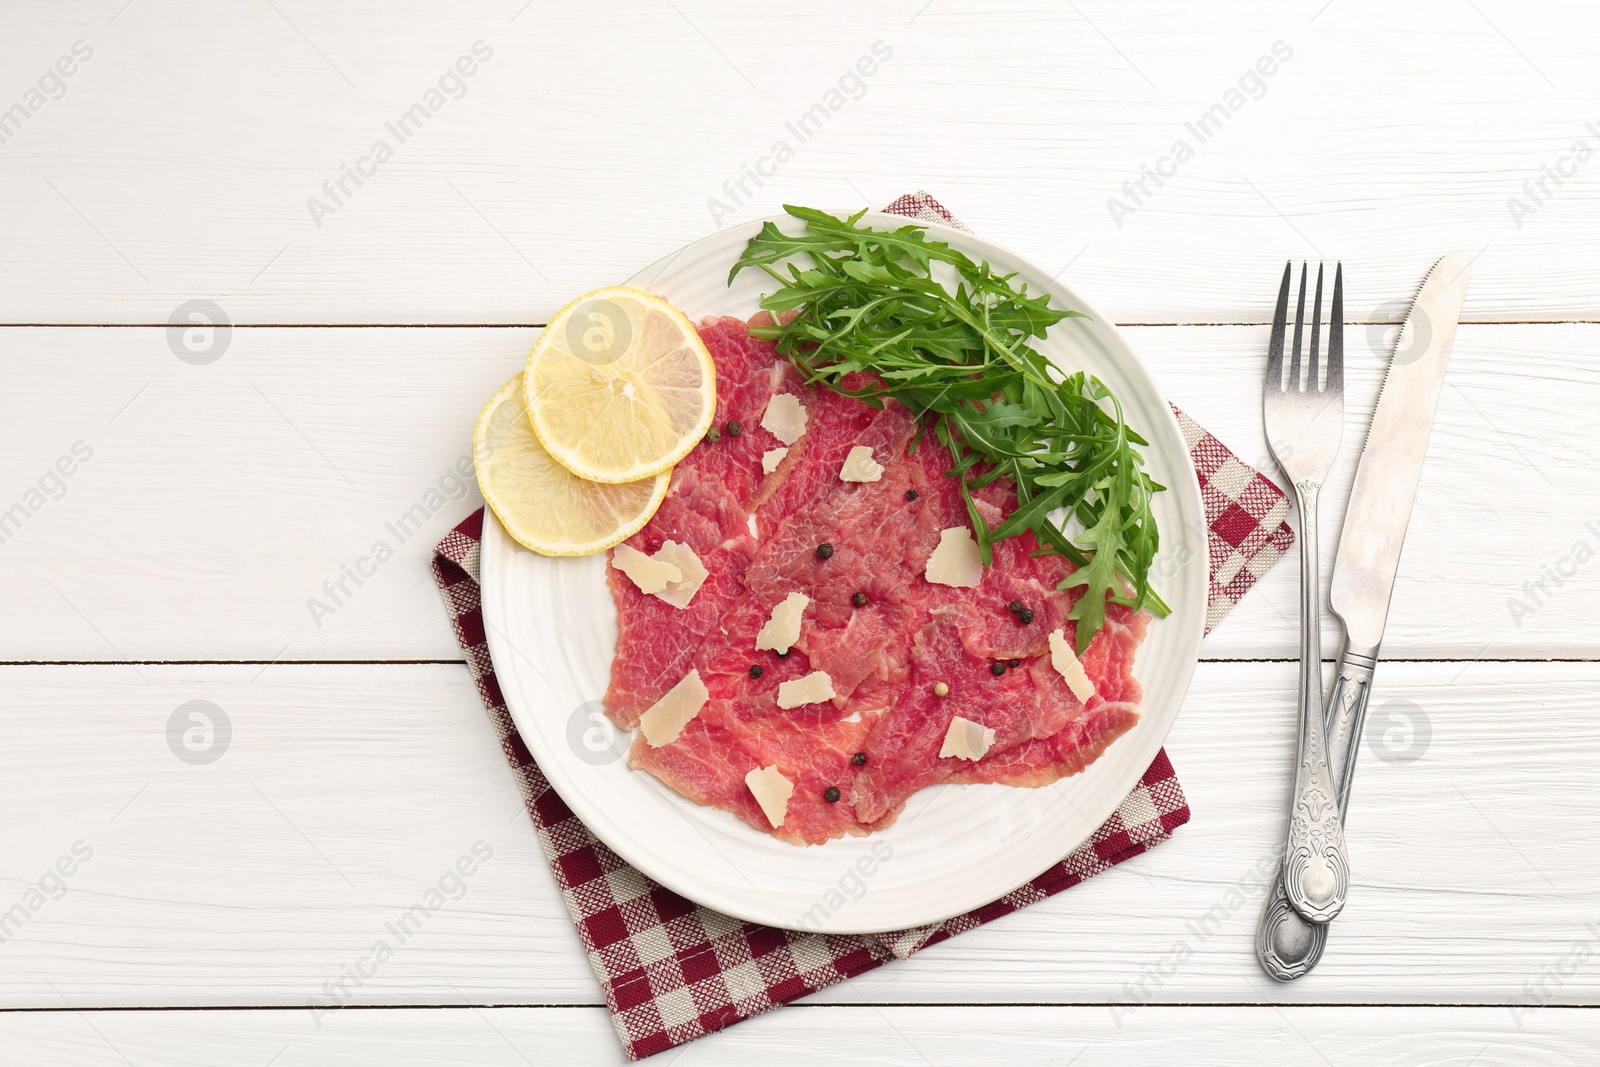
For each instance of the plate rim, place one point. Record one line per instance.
(497, 544)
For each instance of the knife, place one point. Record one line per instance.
(1370, 543)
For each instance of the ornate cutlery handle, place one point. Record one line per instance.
(1316, 869)
(1286, 944)
(1347, 715)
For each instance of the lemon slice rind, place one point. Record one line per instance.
(541, 504)
(619, 386)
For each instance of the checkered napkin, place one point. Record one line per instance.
(672, 971)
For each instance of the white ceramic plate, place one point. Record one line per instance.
(552, 630)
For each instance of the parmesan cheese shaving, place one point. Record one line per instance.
(674, 574)
(859, 466)
(966, 739)
(649, 573)
(1068, 666)
(772, 791)
(771, 458)
(956, 561)
(785, 418)
(814, 688)
(691, 573)
(667, 717)
(782, 630)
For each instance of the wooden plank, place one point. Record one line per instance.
(347, 791)
(219, 499)
(1046, 1036)
(183, 157)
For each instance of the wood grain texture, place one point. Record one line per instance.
(208, 503)
(220, 498)
(181, 159)
(347, 791)
(803, 1036)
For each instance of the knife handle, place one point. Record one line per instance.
(1288, 945)
(1347, 715)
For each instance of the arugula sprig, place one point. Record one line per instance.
(948, 338)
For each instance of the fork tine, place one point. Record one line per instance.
(1313, 382)
(1336, 333)
(1299, 325)
(1280, 320)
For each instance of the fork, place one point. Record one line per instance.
(1303, 412)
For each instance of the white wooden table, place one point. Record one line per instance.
(219, 478)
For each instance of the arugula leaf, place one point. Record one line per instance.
(873, 300)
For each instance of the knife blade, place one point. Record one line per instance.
(1379, 511)
(1385, 487)
(1370, 543)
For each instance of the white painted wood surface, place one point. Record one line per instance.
(208, 502)
(803, 1036)
(219, 498)
(181, 159)
(348, 789)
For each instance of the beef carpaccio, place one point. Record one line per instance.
(904, 655)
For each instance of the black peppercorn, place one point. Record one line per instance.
(859, 759)
(755, 670)
(824, 551)
(997, 668)
(859, 600)
(735, 428)
(1013, 663)
(831, 794)
(1014, 607)
(911, 494)
(1025, 616)
(712, 435)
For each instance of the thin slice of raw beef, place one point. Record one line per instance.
(903, 748)
(884, 634)
(708, 508)
(1089, 728)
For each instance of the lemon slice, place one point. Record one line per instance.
(619, 386)
(541, 503)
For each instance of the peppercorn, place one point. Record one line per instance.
(1014, 607)
(997, 668)
(755, 670)
(735, 428)
(1025, 616)
(831, 794)
(859, 759)
(1013, 663)
(940, 689)
(824, 551)
(911, 494)
(712, 435)
(859, 600)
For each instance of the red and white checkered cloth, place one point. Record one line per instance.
(672, 971)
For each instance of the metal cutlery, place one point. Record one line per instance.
(1370, 544)
(1304, 415)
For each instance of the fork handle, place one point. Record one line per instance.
(1286, 944)
(1316, 868)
